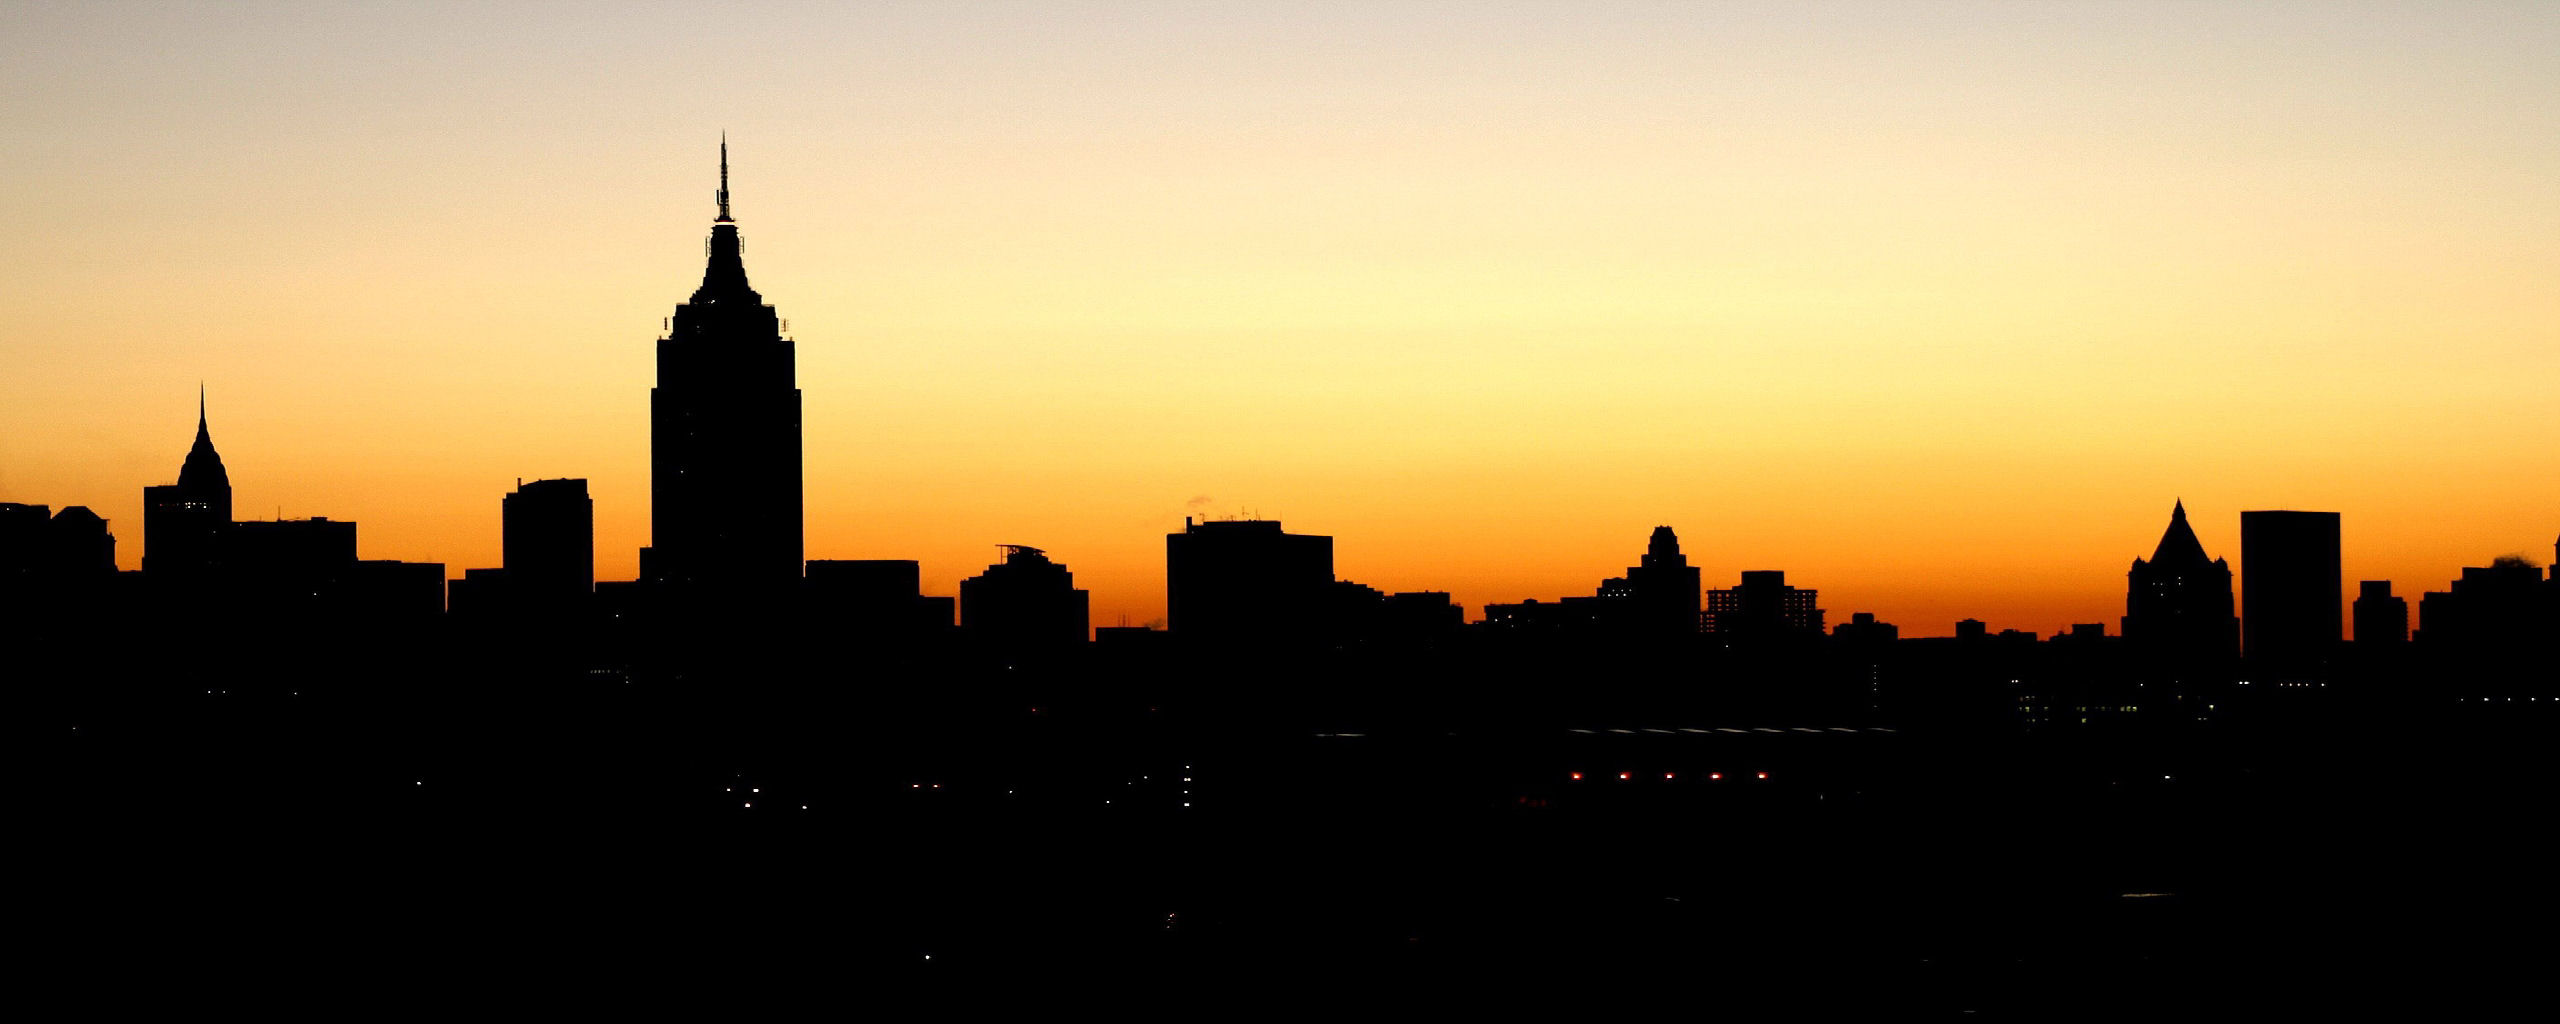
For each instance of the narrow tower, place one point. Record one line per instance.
(724, 434)
(183, 523)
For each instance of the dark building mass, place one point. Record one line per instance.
(724, 435)
(2177, 603)
(874, 602)
(2381, 617)
(1246, 582)
(1025, 603)
(1657, 598)
(2289, 588)
(185, 524)
(1661, 589)
(550, 541)
(1763, 608)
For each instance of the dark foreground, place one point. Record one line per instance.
(419, 842)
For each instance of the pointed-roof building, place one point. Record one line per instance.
(183, 523)
(2177, 604)
(724, 434)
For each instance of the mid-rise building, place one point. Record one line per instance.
(2290, 589)
(1024, 603)
(1246, 581)
(2177, 603)
(1763, 607)
(1661, 590)
(2381, 618)
(550, 542)
(184, 524)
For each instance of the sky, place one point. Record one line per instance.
(1935, 306)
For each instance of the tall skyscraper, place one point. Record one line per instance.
(724, 434)
(2290, 586)
(183, 524)
(550, 542)
(2177, 605)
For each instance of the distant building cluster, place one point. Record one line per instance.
(727, 554)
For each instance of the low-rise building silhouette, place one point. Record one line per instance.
(874, 600)
(1862, 628)
(1762, 608)
(2495, 608)
(2381, 618)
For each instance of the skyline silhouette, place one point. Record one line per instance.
(726, 451)
(1473, 311)
(1502, 502)
(727, 485)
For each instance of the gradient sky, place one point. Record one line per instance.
(1934, 306)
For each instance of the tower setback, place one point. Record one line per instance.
(724, 434)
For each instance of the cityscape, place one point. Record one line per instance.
(257, 751)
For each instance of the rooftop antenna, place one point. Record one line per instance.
(724, 178)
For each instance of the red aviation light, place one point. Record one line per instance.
(1624, 776)
(1713, 776)
(1764, 775)
(1577, 776)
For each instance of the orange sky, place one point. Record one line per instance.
(1935, 307)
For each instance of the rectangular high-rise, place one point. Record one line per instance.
(550, 541)
(2291, 589)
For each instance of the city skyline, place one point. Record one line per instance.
(1507, 428)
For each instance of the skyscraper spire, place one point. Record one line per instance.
(183, 523)
(724, 179)
(2178, 544)
(203, 468)
(724, 433)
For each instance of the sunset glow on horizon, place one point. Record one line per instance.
(1935, 307)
